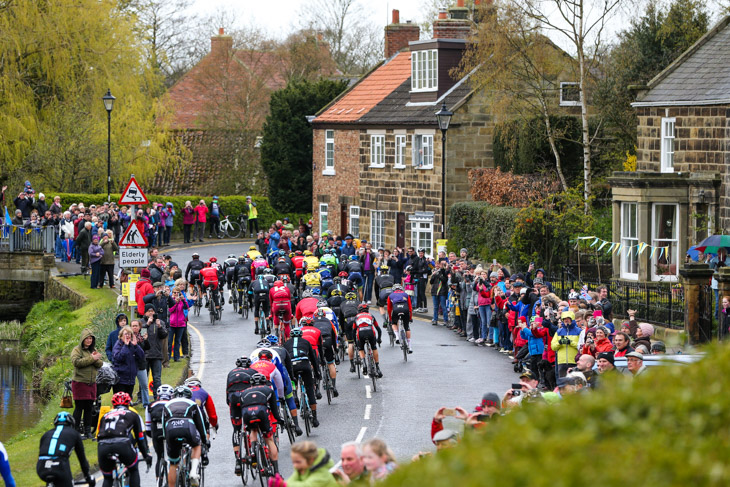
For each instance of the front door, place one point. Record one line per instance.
(400, 230)
(343, 219)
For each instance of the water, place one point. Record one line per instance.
(20, 407)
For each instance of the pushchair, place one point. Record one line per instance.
(106, 377)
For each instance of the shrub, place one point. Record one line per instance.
(484, 230)
(508, 189)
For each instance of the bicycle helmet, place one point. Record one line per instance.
(241, 259)
(64, 418)
(267, 271)
(397, 287)
(320, 313)
(384, 268)
(285, 278)
(353, 257)
(409, 268)
(350, 296)
(296, 332)
(306, 321)
(574, 295)
(316, 291)
(266, 354)
(263, 343)
(231, 256)
(196, 255)
(322, 302)
(362, 308)
(165, 392)
(213, 259)
(325, 274)
(193, 382)
(308, 253)
(322, 263)
(307, 293)
(282, 258)
(121, 399)
(243, 362)
(273, 339)
(253, 247)
(207, 264)
(258, 379)
(291, 254)
(337, 280)
(298, 252)
(183, 391)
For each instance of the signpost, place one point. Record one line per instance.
(132, 194)
(132, 257)
(133, 244)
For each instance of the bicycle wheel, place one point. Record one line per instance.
(234, 299)
(261, 463)
(233, 230)
(211, 310)
(245, 307)
(327, 383)
(371, 368)
(262, 323)
(358, 360)
(304, 406)
(289, 425)
(391, 335)
(404, 344)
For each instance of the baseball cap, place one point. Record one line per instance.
(491, 399)
(527, 374)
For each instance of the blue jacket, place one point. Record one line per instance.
(273, 242)
(347, 251)
(125, 361)
(536, 345)
(110, 342)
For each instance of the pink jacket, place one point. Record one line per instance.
(485, 294)
(188, 216)
(177, 314)
(408, 283)
(202, 212)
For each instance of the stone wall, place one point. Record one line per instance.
(22, 266)
(17, 298)
(57, 289)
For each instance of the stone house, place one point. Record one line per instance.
(680, 192)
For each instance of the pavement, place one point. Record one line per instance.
(442, 371)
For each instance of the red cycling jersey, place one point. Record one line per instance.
(306, 307)
(279, 293)
(210, 277)
(313, 336)
(365, 320)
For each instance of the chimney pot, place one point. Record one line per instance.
(220, 31)
(396, 16)
(442, 14)
(459, 3)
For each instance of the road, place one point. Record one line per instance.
(442, 371)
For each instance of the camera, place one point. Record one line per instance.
(564, 341)
(589, 341)
(516, 393)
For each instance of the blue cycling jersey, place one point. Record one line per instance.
(5, 468)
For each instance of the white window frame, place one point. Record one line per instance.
(354, 217)
(377, 228)
(329, 153)
(669, 130)
(417, 228)
(424, 70)
(323, 210)
(569, 103)
(628, 240)
(377, 150)
(418, 147)
(673, 253)
(400, 152)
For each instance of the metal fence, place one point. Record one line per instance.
(660, 303)
(15, 238)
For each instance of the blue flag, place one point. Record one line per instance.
(8, 222)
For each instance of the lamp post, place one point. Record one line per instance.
(444, 119)
(108, 100)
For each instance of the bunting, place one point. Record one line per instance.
(615, 248)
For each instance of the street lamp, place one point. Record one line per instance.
(444, 119)
(108, 100)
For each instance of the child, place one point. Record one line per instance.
(409, 284)
(378, 459)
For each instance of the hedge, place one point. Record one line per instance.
(484, 230)
(233, 206)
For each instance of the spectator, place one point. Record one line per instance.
(216, 213)
(110, 247)
(483, 290)
(18, 218)
(125, 354)
(352, 468)
(189, 216)
(621, 343)
(66, 236)
(157, 346)
(535, 342)
(111, 340)
(368, 259)
(202, 214)
(585, 365)
(168, 215)
(439, 291)
(606, 305)
(83, 242)
(157, 269)
(565, 343)
(378, 459)
(658, 348)
(724, 318)
(348, 248)
(605, 362)
(56, 207)
(635, 363)
(420, 270)
(141, 363)
(311, 467)
(24, 202)
(178, 323)
(86, 362)
(253, 217)
(96, 252)
(643, 335)
(572, 383)
(142, 289)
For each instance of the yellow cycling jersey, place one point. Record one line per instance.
(311, 262)
(311, 279)
(252, 254)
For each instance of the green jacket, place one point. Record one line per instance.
(318, 475)
(85, 366)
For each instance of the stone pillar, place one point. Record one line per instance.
(694, 275)
(723, 282)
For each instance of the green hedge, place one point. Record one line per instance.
(233, 206)
(483, 229)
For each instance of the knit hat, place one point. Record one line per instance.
(95, 237)
(494, 274)
(491, 399)
(603, 329)
(538, 281)
(605, 355)
(144, 273)
(464, 250)
(646, 329)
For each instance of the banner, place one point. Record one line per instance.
(616, 247)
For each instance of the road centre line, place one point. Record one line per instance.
(368, 408)
(361, 434)
(368, 392)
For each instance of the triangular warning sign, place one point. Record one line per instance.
(134, 236)
(132, 194)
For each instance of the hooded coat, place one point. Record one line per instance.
(125, 361)
(566, 353)
(111, 340)
(318, 474)
(85, 366)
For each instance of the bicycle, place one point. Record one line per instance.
(234, 299)
(288, 423)
(243, 221)
(260, 460)
(341, 349)
(304, 408)
(198, 303)
(229, 229)
(215, 314)
(327, 381)
(357, 359)
(370, 363)
(403, 340)
(391, 333)
(183, 468)
(161, 473)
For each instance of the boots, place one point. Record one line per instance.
(315, 421)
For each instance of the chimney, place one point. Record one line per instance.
(455, 24)
(397, 35)
(221, 45)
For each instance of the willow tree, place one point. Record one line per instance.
(57, 59)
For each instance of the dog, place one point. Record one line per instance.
(122, 302)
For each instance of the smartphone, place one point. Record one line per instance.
(517, 387)
(449, 412)
(483, 417)
(494, 261)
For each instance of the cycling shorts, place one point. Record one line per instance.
(355, 278)
(397, 314)
(285, 308)
(194, 277)
(261, 301)
(350, 329)
(328, 346)
(303, 369)
(366, 334)
(56, 470)
(211, 284)
(122, 448)
(177, 432)
(244, 282)
(260, 418)
(383, 297)
(234, 408)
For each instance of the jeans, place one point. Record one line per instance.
(485, 315)
(160, 235)
(421, 300)
(59, 248)
(470, 325)
(96, 275)
(168, 232)
(144, 386)
(440, 301)
(504, 335)
(187, 228)
(155, 365)
(369, 276)
(199, 230)
(177, 334)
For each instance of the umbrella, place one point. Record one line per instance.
(714, 242)
(693, 253)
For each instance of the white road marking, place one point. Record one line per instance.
(368, 392)
(201, 368)
(367, 411)
(361, 434)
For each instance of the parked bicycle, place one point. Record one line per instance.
(228, 228)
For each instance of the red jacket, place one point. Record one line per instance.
(142, 289)
(201, 211)
(279, 293)
(306, 307)
(209, 276)
(544, 333)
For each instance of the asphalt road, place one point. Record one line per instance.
(442, 371)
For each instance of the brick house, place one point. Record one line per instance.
(377, 151)
(680, 192)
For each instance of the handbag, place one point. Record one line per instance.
(67, 398)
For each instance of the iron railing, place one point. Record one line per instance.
(14, 238)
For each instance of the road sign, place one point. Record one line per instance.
(132, 194)
(132, 257)
(134, 236)
(132, 282)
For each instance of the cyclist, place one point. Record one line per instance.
(119, 430)
(335, 296)
(312, 279)
(258, 262)
(209, 276)
(154, 418)
(304, 365)
(239, 379)
(263, 362)
(383, 287)
(298, 263)
(229, 270)
(205, 403)
(260, 293)
(242, 277)
(192, 271)
(288, 374)
(283, 267)
(306, 306)
(400, 306)
(365, 327)
(348, 312)
(325, 280)
(269, 276)
(330, 259)
(56, 447)
(314, 337)
(310, 259)
(5, 472)
(292, 290)
(261, 414)
(328, 334)
(354, 274)
(281, 298)
(182, 422)
(253, 252)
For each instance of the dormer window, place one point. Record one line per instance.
(424, 70)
